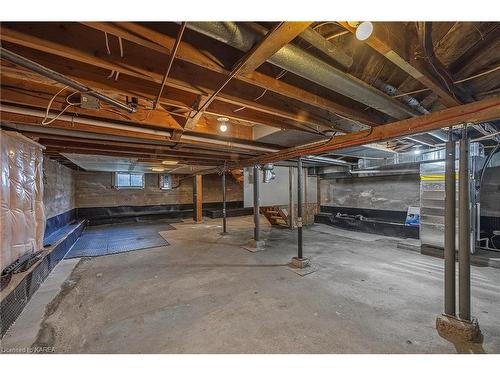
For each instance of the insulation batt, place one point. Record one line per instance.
(22, 217)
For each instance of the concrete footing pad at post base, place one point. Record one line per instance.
(300, 262)
(255, 246)
(454, 329)
(301, 266)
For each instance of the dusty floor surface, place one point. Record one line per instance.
(205, 294)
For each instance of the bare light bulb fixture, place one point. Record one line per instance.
(364, 30)
(223, 122)
(169, 162)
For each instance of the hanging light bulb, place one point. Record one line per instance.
(170, 162)
(364, 30)
(223, 121)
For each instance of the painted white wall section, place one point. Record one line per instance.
(277, 191)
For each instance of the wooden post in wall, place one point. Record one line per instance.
(197, 198)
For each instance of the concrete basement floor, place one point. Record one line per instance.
(206, 294)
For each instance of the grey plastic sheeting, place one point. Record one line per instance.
(117, 238)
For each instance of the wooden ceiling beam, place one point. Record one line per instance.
(138, 153)
(277, 38)
(274, 40)
(127, 146)
(163, 43)
(32, 93)
(125, 143)
(392, 43)
(26, 80)
(113, 63)
(476, 112)
(11, 117)
(104, 152)
(38, 95)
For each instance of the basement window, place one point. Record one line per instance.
(125, 180)
(166, 182)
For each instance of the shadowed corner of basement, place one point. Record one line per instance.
(466, 336)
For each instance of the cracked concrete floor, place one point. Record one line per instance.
(206, 294)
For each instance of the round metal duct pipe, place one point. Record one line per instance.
(304, 64)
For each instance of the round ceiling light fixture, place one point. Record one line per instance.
(364, 30)
(169, 162)
(158, 169)
(223, 124)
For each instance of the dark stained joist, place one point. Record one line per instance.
(273, 41)
(390, 41)
(432, 63)
(152, 39)
(113, 63)
(476, 112)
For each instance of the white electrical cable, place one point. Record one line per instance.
(50, 121)
(121, 46)
(107, 43)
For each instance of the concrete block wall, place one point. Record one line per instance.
(393, 193)
(59, 188)
(95, 189)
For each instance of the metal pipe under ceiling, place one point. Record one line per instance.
(114, 125)
(58, 77)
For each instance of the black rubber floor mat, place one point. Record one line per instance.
(118, 238)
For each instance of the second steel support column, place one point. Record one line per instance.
(224, 228)
(464, 230)
(256, 203)
(291, 205)
(449, 224)
(299, 207)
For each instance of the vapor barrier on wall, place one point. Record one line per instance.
(22, 217)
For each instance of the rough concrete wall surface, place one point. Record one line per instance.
(59, 188)
(394, 193)
(95, 189)
(277, 191)
(490, 192)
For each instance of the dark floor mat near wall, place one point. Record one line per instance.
(118, 238)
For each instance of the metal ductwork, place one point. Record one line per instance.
(268, 173)
(302, 63)
(317, 40)
(413, 103)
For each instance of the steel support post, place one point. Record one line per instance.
(256, 203)
(224, 221)
(299, 207)
(464, 230)
(291, 208)
(450, 223)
